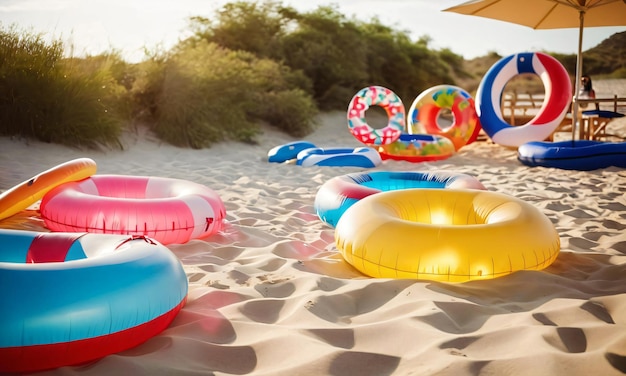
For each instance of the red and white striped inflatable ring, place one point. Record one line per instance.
(165, 209)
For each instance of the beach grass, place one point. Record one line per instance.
(53, 99)
(193, 96)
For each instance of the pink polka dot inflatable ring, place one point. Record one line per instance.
(390, 102)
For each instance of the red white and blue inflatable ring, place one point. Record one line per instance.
(70, 298)
(558, 97)
(390, 102)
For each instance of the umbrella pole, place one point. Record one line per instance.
(579, 68)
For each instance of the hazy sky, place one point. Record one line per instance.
(94, 26)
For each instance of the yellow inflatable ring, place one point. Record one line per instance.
(32, 190)
(445, 235)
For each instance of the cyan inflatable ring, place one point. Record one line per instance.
(558, 97)
(341, 192)
(390, 102)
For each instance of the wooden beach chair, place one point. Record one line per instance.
(592, 124)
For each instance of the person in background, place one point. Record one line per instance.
(586, 90)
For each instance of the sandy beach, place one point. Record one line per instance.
(271, 295)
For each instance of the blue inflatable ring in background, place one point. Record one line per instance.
(366, 157)
(288, 151)
(582, 155)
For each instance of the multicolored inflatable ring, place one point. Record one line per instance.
(417, 148)
(558, 97)
(70, 298)
(390, 102)
(427, 107)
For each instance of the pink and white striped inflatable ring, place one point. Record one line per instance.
(558, 97)
(165, 209)
(390, 102)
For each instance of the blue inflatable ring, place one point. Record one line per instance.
(69, 298)
(366, 157)
(582, 155)
(288, 151)
(339, 193)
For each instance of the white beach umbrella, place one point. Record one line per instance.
(551, 14)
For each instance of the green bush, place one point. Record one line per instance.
(292, 111)
(47, 97)
(148, 79)
(338, 55)
(244, 26)
(204, 94)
